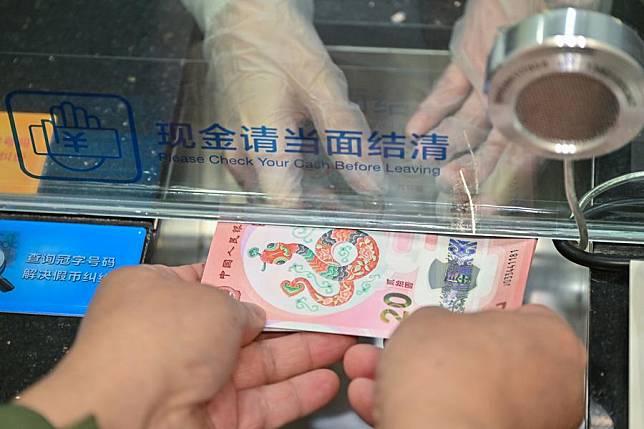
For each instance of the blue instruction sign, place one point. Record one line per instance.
(85, 137)
(54, 268)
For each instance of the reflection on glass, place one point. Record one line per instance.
(307, 112)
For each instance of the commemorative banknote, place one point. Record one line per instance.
(360, 282)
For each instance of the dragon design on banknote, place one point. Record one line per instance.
(324, 263)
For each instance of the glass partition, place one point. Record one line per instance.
(298, 112)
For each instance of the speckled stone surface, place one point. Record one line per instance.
(133, 49)
(29, 347)
(136, 29)
(417, 24)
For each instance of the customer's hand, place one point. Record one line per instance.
(511, 369)
(158, 349)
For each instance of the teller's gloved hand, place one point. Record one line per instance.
(269, 67)
(457, 106)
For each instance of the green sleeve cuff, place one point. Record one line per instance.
(18, 417)
(88, 423)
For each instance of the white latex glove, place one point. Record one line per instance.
(269, 67)
(492, 168)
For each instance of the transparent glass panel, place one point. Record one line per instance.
(279, 112)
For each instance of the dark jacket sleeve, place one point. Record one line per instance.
(17, 417)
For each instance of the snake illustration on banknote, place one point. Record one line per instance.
(322, 261)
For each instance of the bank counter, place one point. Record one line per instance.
(128, 129)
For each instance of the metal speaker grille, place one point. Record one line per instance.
(567, 107)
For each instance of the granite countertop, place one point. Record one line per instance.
(132, 49)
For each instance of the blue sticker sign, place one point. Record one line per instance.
(54, 267)
(87, 137)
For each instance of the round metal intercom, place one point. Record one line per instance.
(567, 83)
